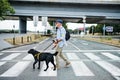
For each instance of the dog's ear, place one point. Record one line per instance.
(31, 50)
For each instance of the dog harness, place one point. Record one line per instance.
(37, 55)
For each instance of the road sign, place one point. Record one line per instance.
(44, 21)
(35, 20)
(109, 28)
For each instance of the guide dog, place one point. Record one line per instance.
(42, 56)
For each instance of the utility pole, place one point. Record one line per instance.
(84, 22)
(104, 30)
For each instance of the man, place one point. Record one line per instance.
(60, 42)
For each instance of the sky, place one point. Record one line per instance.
(8, 24)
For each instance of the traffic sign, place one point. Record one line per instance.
(109, 28)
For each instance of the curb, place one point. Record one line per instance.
(24, 44)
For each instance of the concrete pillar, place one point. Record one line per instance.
(44, 23)
(22, 25)
(84, 22)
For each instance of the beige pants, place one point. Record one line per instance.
(59, 49)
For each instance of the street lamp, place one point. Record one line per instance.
(84, 22)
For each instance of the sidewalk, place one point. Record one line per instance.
(4, 44)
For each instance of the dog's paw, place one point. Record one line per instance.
(54, 69)
(33, 67)
(38, 68)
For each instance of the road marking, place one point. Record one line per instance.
(9, 51)
(92, 56)
(105, 65)
(40, 43)
(28, 57)
(1, 53)
(117, 78)
(17, 69)
(74, 46)
(80, 69)
(12, 56)
(115, 71)
(111, 56)
(1, 63)
(49, 72)
(85, 43)
(72, 56)
(24, 51)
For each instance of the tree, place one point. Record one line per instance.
(5, 9)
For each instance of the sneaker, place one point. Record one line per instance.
(57, 67)
(67, 64)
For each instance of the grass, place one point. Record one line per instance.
(106, 40)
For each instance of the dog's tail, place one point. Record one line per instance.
(55, 53)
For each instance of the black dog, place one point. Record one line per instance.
(44, 56)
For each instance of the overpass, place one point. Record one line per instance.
(82, 11)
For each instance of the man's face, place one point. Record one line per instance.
(57, 24)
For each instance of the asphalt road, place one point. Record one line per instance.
(89, 61)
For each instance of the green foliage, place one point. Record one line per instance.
(5, 9)
(99, 28)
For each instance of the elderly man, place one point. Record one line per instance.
(60, 42)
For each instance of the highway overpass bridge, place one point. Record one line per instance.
(82, 11)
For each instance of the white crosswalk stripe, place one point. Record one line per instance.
(80, 69)
(92, 56)
(28, 57)
(12, 56)
(106, 65)
(109, 67)
(1, 53)
(111, 56)
(2, 63)
(16, 69)
(72, 56)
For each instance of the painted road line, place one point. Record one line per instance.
(74, 46)
(114, 57)
(117, 78)
(11, 51)
(2, 63)
(24, 51)
(1, 53)
(40, 43)
(80, 69)
(105, 65)
(115, 71)
(10, 57)
(28, 57)
(92, 56)
(85, 43)
(72, 56)
(16, 70)
(49, 72)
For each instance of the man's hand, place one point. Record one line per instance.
(55, 42)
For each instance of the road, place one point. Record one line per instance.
(89, 61)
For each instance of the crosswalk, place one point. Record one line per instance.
(79, 67)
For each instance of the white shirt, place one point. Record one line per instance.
(61, 32)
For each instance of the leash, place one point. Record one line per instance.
(49, 45)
